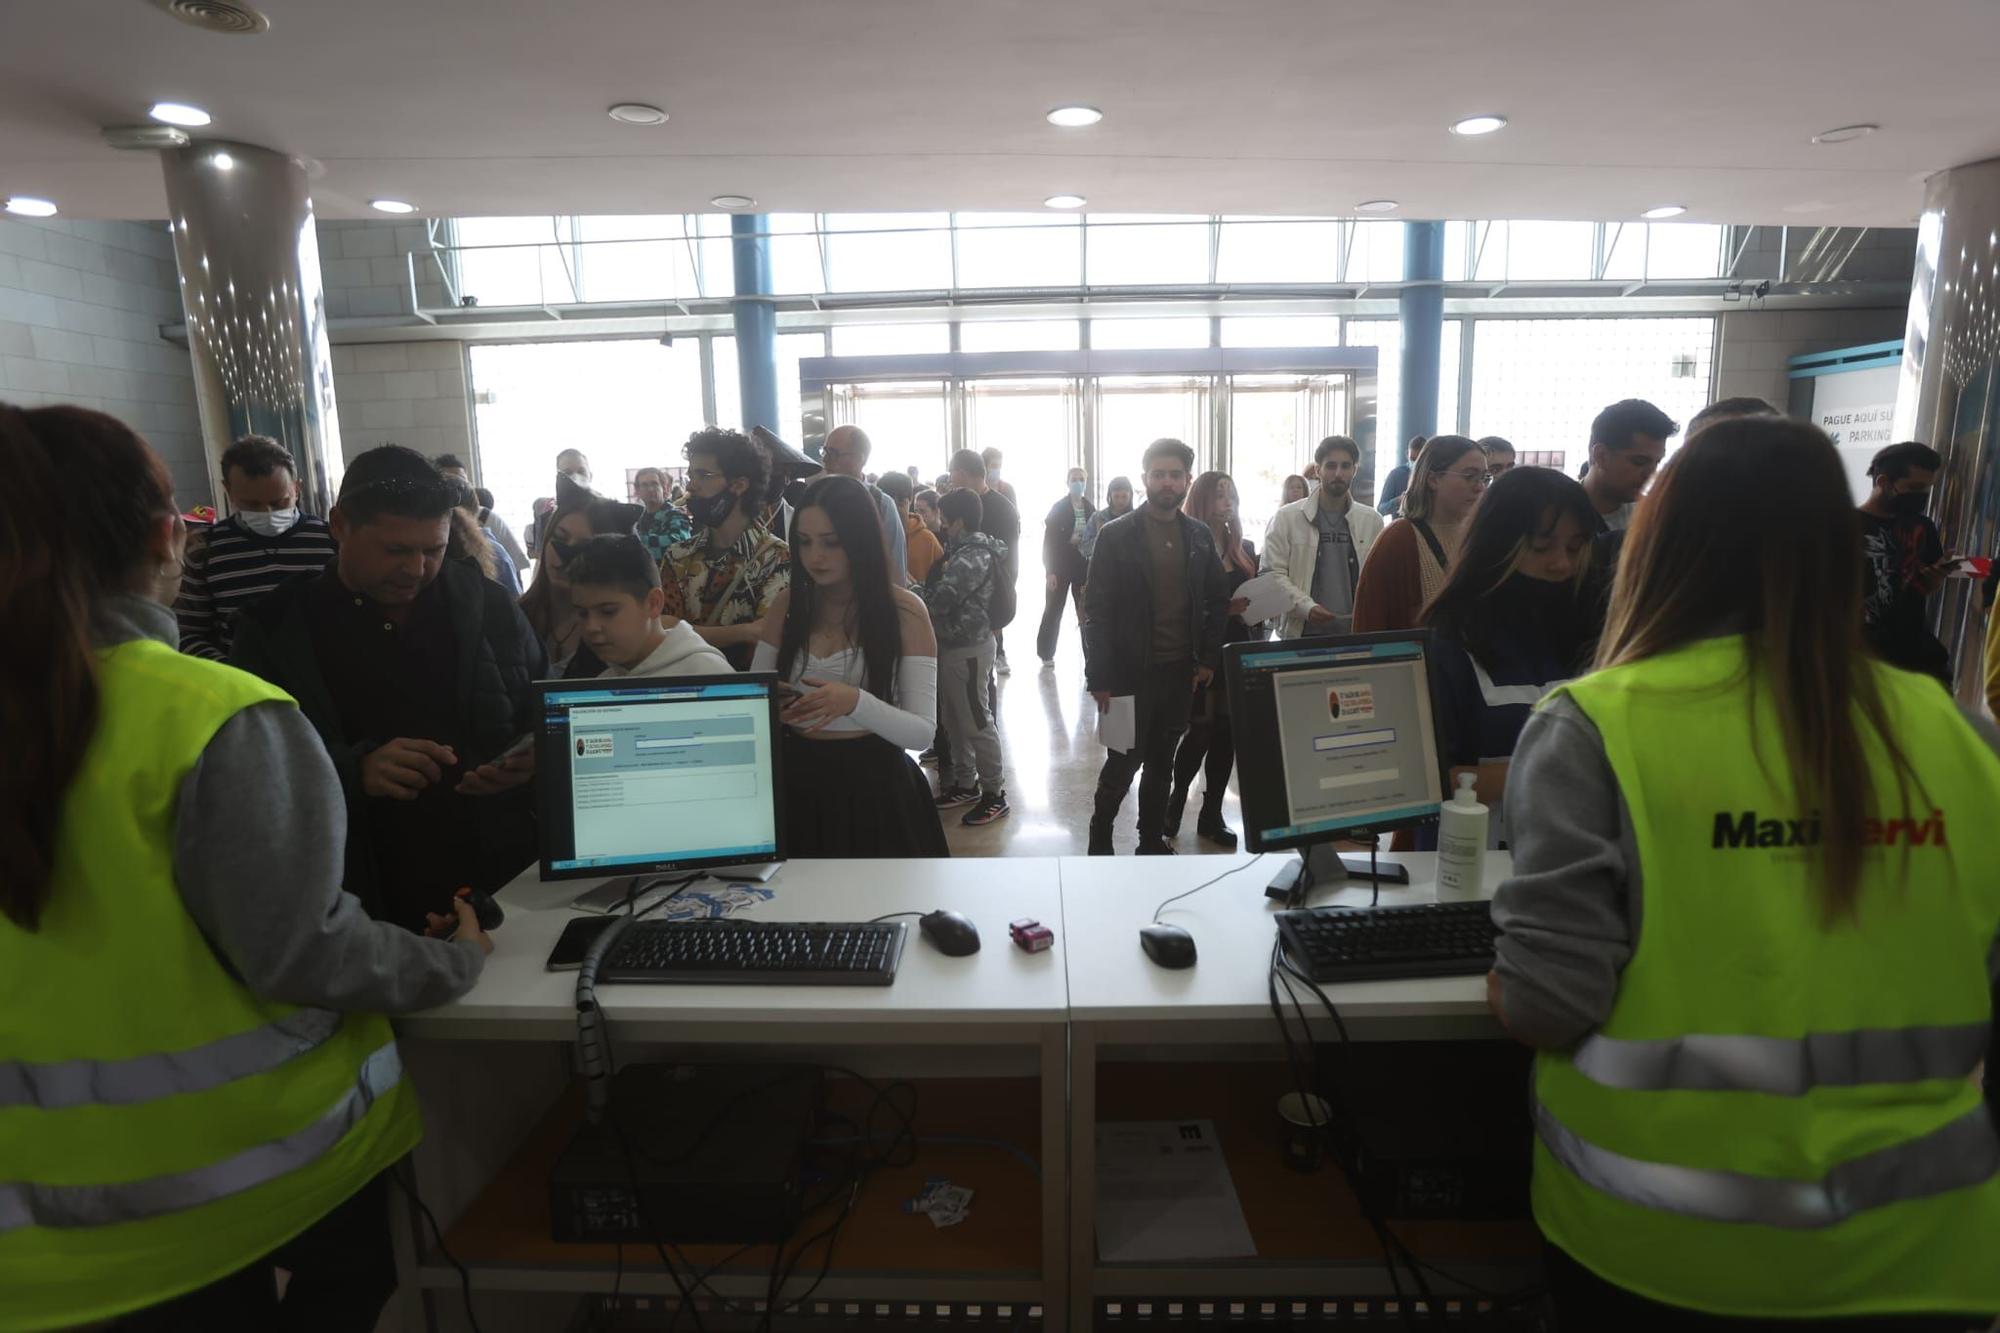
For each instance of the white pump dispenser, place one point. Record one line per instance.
(1461, 844)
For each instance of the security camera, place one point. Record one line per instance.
(666, 340)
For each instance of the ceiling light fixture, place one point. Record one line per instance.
(1664, 211)
(27, 206)
(733, 201)
(391, 206)
(1377, 206)
(179, 113)
(1845, 133)
(1472, 126)
(1063, 201)
(637, 113)
(1075, 117)
(223, 161)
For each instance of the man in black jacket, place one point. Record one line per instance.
(1155, 607)
(416, 671)
(1062, 557)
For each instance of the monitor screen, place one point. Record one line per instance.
(639, 774)
(1334, 736)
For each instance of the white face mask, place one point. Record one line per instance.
(269, 523)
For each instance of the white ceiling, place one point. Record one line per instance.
(471, 107)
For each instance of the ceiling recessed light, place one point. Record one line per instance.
(1476, 125)
(1377, 206)
(1075, 117)
(637, 113)
(223, 161)
(27, 206)
(179, 113)
(391, 206)
(1664, 211)
(1845, 133)
(733, 201)
(1063, 201)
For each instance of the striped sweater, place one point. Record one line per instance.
(229, 567)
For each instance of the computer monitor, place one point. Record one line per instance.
(649, 774)
(1336, 737)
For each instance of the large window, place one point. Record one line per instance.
(1386, 336)
(1539, 382)
(792, 347)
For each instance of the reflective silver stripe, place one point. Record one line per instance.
(1499, 696)
(1962, 1153)
(143, 1078)
(1783, 1066)
(70, 1206)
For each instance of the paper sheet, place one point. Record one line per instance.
(1164, 1193)
(1268, 599)
(1118, 725)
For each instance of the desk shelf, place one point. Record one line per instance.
(503, 1237)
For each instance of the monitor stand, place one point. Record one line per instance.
(760, 871)
(1319, 866)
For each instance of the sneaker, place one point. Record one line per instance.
(929, 756)
(989, 809)
(1048, 664)
(953, 797)
(1000, 665)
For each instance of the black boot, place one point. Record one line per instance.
(1210, 826)
(1100, 837)
(1176, 806)
(1154, 847)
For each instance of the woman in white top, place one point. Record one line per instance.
(864, 658)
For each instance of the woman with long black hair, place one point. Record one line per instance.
(1208, 743)
(864, 659)
(1517, 617)
(1751, 929)
(196, 1081)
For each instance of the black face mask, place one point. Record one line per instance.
(711, 511)
(1910, 504)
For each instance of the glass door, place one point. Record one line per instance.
(1135, 410)
(907, 422)
(1035, 424)
(1275, 423)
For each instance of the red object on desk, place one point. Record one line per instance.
(1031, 935)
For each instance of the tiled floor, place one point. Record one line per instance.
(1048, 733)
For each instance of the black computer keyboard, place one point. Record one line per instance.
(753, 953)
(1374, 943)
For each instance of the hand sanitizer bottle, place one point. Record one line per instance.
(1461, 844)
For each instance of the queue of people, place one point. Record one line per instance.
(362, 732)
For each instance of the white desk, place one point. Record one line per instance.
(1119, 996)
(488, 1067)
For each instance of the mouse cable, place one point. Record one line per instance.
(437, 1234)
(891, 916)
(1204, 884)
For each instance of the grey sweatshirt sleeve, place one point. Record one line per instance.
(260, 837)
(1569, 914)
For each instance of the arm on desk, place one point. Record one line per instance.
(260, 839)
(1570, 912)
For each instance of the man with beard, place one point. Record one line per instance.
(1156, 605)
(1316, 546)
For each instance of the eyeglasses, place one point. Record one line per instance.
(1480, 478)
(700, 476)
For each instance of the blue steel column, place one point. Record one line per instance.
(757, 325)
(1420, 308)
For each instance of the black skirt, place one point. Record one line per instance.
(850, 799)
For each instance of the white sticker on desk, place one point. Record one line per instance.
(1353, 701)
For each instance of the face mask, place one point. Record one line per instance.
(1076, 488)
(711, 511)
(271, 523)
(1910, 504)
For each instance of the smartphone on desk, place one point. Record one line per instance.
(575, 942)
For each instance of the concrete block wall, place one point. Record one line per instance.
(81, 305)
(364, 268)
(409, 393)
(1756, 345)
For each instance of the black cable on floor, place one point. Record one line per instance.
(437, 1235)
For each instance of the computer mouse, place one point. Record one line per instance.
(484, 907)
(1169, 946)
(953, 935)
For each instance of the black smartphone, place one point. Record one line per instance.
(577, 937)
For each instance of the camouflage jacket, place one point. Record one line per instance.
(960, 589)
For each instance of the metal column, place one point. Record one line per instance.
(1949, 395)
(756, 326)
(1420, 307)
(244, 237)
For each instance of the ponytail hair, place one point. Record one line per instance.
(77, 511)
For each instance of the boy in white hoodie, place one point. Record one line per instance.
(615, 587)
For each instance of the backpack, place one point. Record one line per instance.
(1001, 606)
